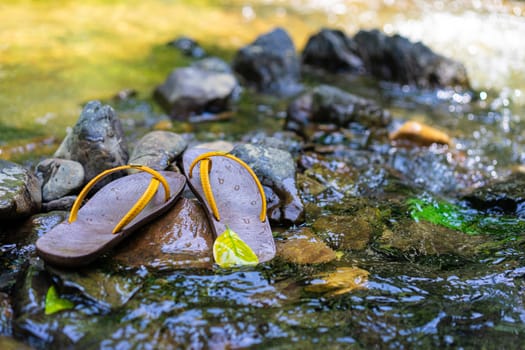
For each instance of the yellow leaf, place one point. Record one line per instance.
(54, 303)
(341, 281)
(230, 250)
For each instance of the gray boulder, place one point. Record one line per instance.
(194, 90)
(158, 149)
(395, 58)
(59, 177)
(505, 196)
(275, 169)
(333, 51)
(20, 192)
(213, 64)
(96, 141)
(329, 105)
(270, 64)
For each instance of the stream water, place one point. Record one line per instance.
(433, 291)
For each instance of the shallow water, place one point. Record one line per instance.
(56, 56)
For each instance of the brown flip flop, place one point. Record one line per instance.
(112, 214)
(232, 196)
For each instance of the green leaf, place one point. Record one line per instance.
(54, 303)
(230, 250)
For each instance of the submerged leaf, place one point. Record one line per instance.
(54, 303)
(230, 250)
(341, 281)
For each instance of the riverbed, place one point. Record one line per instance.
(437, 284)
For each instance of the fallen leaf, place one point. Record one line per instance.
(54, 303)
(230, 250)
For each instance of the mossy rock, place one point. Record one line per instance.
(303, 247)
(352, 232)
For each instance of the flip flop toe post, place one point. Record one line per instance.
(112, 214)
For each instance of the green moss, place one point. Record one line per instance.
(465, 220)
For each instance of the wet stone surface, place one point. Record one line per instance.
(97, 141)
(20, 193)
(59, 177)
(158, 149)
(303, 247)
(182, 238)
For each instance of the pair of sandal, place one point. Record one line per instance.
(231, 194)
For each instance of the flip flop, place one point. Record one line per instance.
(232, 196)
(112, 214)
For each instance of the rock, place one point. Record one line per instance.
(417, 240)
(285, 140)
(18, 245)
(333, 51)
(188, 91)
(329, 105)
(64, 203)
(301, 246)
(348, 232)
(158, 149)
(420, 134)
(395, 58)
(59, 177)
(108, 290)
(6, 316)
(213, 64)
(506, 196)
(220, 145)
(270, 64)
(412, 166)
(324, 174)
(275, 169)
(188, 47)
(20, 192)
(182, 238)
(96, 141)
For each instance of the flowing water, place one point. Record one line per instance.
(54, 56)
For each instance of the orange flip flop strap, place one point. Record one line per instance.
(138, 206)
(205, 169)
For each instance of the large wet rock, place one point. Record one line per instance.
(301, 246)
(193, 90)
(424, 241)
(395, 58)
(349, 232)
(501, 197)
(182, 238)
(59, 177)
(97, 141)
(330, 105)
(108, 290)
(275, 169)
(270, 64)
(20, 192)
(333, 51)
(411, 166)
(158, 149)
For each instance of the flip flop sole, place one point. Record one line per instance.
(80, 242)
(238, 202)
